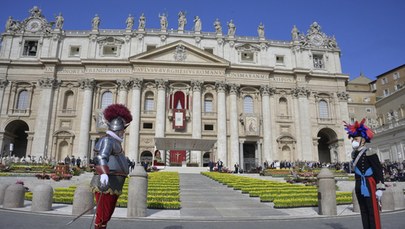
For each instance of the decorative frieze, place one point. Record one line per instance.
(179, 71)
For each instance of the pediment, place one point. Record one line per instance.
(181, 53)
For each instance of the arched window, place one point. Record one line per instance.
(208, 106)
(323, 109)
(106, 99)
(22, 102)
(68, 101)
(149, 104)
(248, 105)
(283, 107)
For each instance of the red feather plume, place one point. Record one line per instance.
(117, 110)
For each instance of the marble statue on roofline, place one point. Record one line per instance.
(182, 20)
(142, 22)
(231, 28)
(59, 21)
(163, 21)
(217, 26)
(197, 24)
(130, 22)
(260, 30)
(95, 22)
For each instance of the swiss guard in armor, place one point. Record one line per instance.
(368, 175)
(111, 163)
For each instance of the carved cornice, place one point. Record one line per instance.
(220, 86)
(344, 96)
(267, 90)
(3, 83)
(48, 83)
(87, 83)
(123, 84)
(197, 85)
(233, 88)
(161, 84)
(137, 83)
(300, 92)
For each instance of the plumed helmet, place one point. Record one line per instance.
(117, 117)
(359, 130)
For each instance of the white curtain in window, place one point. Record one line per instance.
(323, 109)
(248, 105)
(149, 104)
(106, 99)
(22, 103)
(208, 103)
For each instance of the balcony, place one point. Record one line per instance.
(390, 125)
(20, 112)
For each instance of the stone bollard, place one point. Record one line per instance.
(137, 193)
(14, 196)
(42, 197)
(388, 199)
(83, 200)
(356, 207)
(326, 193)
(399, 198)
(3, 188)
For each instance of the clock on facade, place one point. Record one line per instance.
(33, 25)
(317, 40)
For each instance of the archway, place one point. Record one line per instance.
(146, 156)
(206, 158)
(327, 146)
(16, 134)
(63, 150)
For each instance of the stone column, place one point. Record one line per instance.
(241, 161)
(160, 109)
(87, 85)
(3, 85)
(123, 86)
(196, 109)
(233, 113)
(304, 123)
(136, 114)
(42, 121)
(266, 91)
(221, 121)
(344, 115)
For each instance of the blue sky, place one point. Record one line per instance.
(370, 33)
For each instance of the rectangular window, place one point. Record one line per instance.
(373, 87)
(208, 106)
(148, 125)
(30, 48)
(397, 87)
(396, 75)
(149, 104)
(352, 120)
(318, 61)
(74, 51)
(110, 50)
(210, 50)
(386, 92)
(384, 81)
(279, 59)
(208, 127)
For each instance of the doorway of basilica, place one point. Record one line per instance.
(16, 134)
(249, 153)
(327, 142)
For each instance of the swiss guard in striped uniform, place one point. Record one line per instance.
(111, 164)
(368, 174)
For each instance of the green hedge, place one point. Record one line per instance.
(163, 192)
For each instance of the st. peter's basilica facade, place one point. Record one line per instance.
(195, 96)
